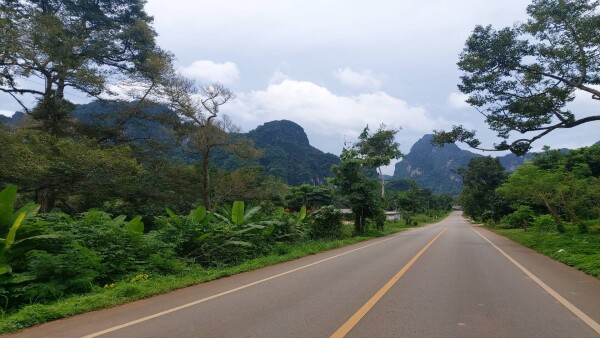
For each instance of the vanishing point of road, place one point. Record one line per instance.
(449, 279)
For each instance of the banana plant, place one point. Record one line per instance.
(200, 215)
(10, 222)
(239, 219)
(238, 214)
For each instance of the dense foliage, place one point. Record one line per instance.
(481, 178)
(47, 256)
(555, 190)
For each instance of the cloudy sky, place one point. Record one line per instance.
(334, 66)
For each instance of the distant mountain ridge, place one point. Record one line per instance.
(288, 153)
(435, 168)
(287, 150)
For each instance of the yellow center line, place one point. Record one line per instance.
(575, 310)
(351, 323)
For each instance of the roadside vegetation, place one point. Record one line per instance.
(55, 265)
(581, 251)
(550, 204)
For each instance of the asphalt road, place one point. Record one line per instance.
(449, 279)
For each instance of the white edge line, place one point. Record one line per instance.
(181, 307)
(580, 314)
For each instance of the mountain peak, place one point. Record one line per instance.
(279, 132)
(434, 167)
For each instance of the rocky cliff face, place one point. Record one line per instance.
(435, 167)
(289, 155)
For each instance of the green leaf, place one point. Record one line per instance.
(204, 236)
(237, 213)
(268, 231)
(302, 213)
(198, 214)
(119, 219)
(7, 200)
(20, 278)
(30, 208)
(173, 217)
(5, 268)
(240, 243)
(135, 225)
(279, 212)
(49, 236)
(12, 233)
(207, 219)
(251, 213)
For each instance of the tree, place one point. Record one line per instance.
(561, 190)
(203, 126)
(310, 196)
(76, 174)
(379, 149)
(480, 178)
(522, 78)
(78, 44)
(350, 177)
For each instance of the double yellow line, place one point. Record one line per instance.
(351, 323)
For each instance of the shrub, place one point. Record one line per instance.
(326, 223)
(544, 223)
(520, 218)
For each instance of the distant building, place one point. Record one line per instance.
(393, 215)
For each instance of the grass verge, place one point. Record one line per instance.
(579, 251)
(123, 292)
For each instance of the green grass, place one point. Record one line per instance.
(579, 251)
(123, 292)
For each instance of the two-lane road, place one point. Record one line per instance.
(444, 280)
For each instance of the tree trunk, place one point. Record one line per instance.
(46, 198)
(359, 222)
(382, 183)
(206, 180)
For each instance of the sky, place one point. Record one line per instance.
(336, 66)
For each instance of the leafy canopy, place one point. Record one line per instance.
(522, 78)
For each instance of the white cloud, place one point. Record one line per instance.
(6, 113)
(326, 117)
(458, 100)
(363, 79)
(278, 77)
(226, 73)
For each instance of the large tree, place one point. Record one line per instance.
(522, 78)
(481, 178)
(48, 46)
(351, 176)
(379, 149)
(203, 127)
(351, 179)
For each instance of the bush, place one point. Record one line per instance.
(326, 223)
(544, 223)
(520, 218)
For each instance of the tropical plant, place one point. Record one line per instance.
(10, 223)
(326, 223)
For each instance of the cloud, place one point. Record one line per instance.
(362, 79)
(278, 77)
(458, 100)
(327, 118)
(6, 113)
(226, 73)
